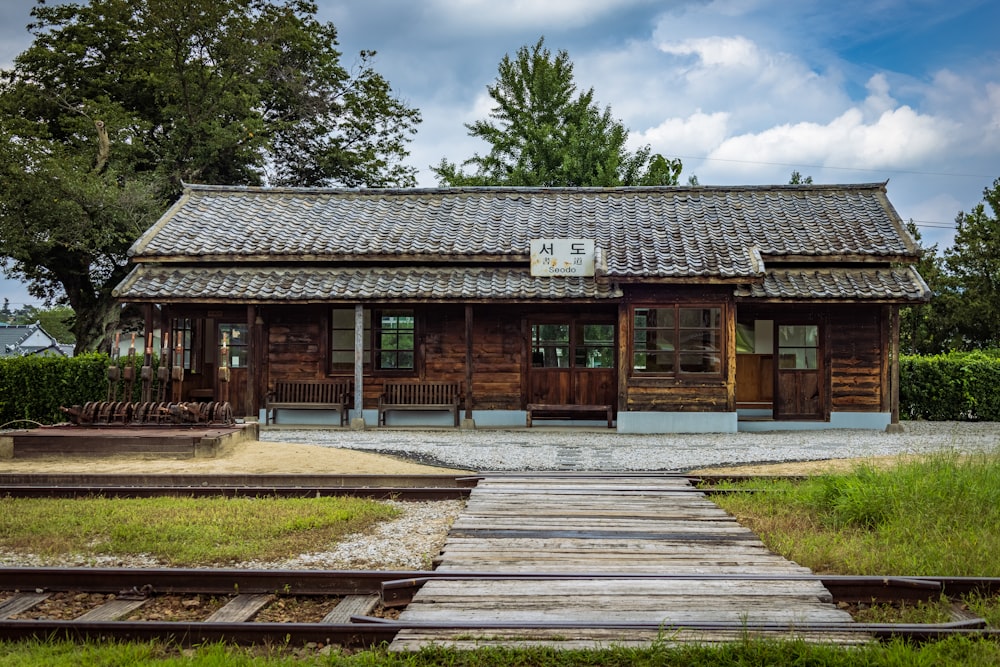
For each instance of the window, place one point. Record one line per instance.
(676, 340)
(342, 339)
(185, 338)
(580, 345)
(233, 338)
(797, 345)
(595, 346)
(395, 340)
(550, 345)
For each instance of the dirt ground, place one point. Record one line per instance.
(253, 457)
(276, 457)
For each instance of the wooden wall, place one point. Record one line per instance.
(297, 348)
(856, 359)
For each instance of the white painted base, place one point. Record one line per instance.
(838, 420)
(677, 422)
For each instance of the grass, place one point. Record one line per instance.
(936, 516)
(955, 651)
(184, 532)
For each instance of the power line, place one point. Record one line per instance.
(824, 166)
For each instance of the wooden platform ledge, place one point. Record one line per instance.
(552, 411)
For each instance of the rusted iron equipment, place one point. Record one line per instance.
(149, 413)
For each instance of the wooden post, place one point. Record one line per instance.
(252, 371)
(894, 372)
(729, 340)
(358, 421)
(468, 422)
(624, 355)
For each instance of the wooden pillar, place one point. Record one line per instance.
(894, 360)
(468, 362)
(253, 368)
(624, 360)
(358, 421)
(729, 340)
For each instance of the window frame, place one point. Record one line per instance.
(333, 349)
(377, 350)
(677, 353)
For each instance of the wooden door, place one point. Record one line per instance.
(572, 362)
(234, 353)
(798, 391)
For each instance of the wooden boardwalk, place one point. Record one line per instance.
(606, 532)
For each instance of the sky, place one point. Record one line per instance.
(743, 91)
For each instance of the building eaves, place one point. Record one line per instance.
(295, 284)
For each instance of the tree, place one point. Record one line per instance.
(117, 102)
(923, 328)
(973, 275)
(542, 133)
(798, 179)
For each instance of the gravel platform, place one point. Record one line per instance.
(556, 448)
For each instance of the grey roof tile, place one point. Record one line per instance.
(268, 284)
(656, 232)
(875, 284)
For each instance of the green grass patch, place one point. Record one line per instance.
(184, 531)
(954, 651)
(936, 516)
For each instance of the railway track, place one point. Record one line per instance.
(354, 609)
(379, 487)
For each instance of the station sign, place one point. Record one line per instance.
(562, 257)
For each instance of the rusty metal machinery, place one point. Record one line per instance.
(149, 413)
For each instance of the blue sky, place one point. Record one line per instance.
(743, 91)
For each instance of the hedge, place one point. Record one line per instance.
(33, 388)
(958, 386)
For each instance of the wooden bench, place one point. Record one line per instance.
(553, 411)
(420, 396)
(309, 396)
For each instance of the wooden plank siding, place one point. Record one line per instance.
(856, 360)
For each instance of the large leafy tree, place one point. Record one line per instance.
(117, 102)
(965, 311)
(922, 327)
(542, 132)
(972, 263)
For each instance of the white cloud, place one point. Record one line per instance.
(898, 139)
(492, 15)
(697, 134)
(732, 52)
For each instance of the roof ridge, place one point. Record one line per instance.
(485, 189)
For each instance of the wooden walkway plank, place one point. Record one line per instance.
(603, 527)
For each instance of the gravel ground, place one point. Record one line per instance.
(412, 540)
(551, 448)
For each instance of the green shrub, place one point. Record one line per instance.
(958, 386)
(33, 388)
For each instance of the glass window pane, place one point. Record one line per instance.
(660, 318)
(798, 335)
(658, 362)
(699, 340)
(693, 362)
(656, 340)
(700, 318)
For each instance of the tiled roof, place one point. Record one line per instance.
(654, 232)
(888, 284)
(264, 284)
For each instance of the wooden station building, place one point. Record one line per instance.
(680, 309)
